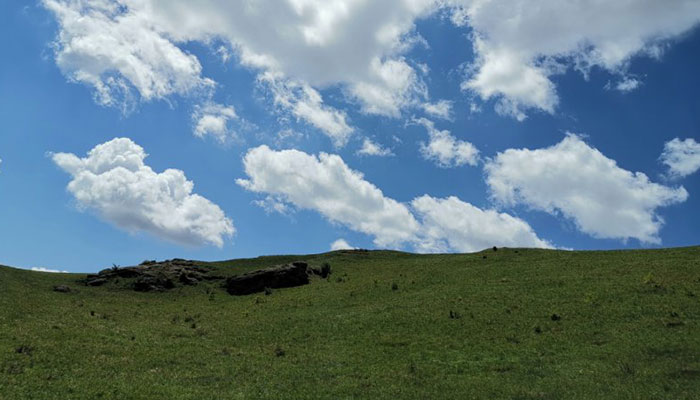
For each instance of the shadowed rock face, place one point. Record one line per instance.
(281, 276)
(165, 275)
(154, 276)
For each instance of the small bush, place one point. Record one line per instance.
(268, 291)
(394, 286)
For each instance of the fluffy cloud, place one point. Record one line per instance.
(681, 156)
(454, 224)
(114, 182)
(118, 46)
(327, 185)
(520, 45)
(341, 244)
(579, 182)
(370, 148)
(213, 119)
(122, 46)
(627, 84)
(305, 103)
(441, 109)
(445, 150)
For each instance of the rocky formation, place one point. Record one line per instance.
(154, 276)
(281, 276)
(165, 275)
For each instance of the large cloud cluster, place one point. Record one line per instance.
(117, 46)
(578, 181)
(521, 44)
(326, 184)
(114, 182)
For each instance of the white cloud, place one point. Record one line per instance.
(304, 102)
(520, 45)
(578, 181)
(325, 184)
(213, 119)
(445, 150)
(682, 157)
(272, 204)
(114, 182)
(441, 109)
(454, 224)
(628, 84)
(119, 45)
(53, 271)
(370, 148)
(394, 85)
(116, 48)
(341, 244)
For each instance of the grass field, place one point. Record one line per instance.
(518, 324)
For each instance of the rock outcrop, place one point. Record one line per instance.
(154, 276)
(281, 276)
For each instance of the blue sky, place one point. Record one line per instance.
(572, 125)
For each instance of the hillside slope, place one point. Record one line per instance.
(520, 324)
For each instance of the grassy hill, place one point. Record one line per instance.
(512, 324)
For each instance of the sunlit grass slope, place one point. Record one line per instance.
(511, 324)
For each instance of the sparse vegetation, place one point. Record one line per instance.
(520, 324)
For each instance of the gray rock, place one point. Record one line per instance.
(281, 276)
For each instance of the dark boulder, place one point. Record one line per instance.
(153, 283)
(281, 276)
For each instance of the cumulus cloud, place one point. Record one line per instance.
(114, 182)
(520, 45)
(116, 48)
(682, 157)
(628, 84)
(305, 103)
(53, 271)
(341, 244)
(444, 149)
(126, 47)
(213, 120)
(393, 85)
(579, 182)
(325, 184)
(370, 148)
(441, 109)
(452, 224)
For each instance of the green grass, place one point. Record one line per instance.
(385, 325)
